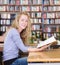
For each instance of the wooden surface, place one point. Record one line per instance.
(52, 55)
(1, 47)
(1, 38)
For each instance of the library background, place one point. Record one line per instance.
(45, 17)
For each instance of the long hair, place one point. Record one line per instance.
(26, 33)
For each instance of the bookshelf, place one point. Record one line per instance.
(51, 18)
(45, 16)
(10, 8)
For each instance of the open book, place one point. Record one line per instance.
(50, 40)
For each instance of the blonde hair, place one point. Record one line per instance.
(26, 33)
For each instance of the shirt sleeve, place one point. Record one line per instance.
(18, 41)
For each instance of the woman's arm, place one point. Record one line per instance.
(38, 49)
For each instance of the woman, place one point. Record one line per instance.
(18, 34)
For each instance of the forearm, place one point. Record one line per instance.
(38, 49)
(35, 49)
(32, 49)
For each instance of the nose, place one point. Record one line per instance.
(24, 21)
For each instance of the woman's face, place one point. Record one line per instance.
(23, 21)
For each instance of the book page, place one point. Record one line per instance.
(50, 40)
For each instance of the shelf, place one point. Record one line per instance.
(51, 24)
(51, 5)
(1, 39)
(36, 30)
(20, 5)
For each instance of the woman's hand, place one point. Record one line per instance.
(39, 49)
(44, 47)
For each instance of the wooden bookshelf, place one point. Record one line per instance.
(51, 18)
(10, 8)
(45, 16)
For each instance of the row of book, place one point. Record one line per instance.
(7, 15)
(5, 22)
(38, 36)
(51, 21)
(29, 8)
(47, 35)
(51, 8)
(55, 2)
(51, 29)
(36, 14)
(25, 2)
(51, 2)
(35, 35)
(9, 21)
(3, 28)
(12, 15)
(36, 27)
(35, 20)
(20, 8)
(51, 15)
(33, 15)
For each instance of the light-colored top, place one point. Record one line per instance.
(12, 44)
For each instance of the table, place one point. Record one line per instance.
(1, 47)
(47, 57)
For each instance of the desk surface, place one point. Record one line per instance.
(52, 55)
(1, 47)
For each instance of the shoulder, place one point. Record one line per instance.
(12, 31)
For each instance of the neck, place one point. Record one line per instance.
(19, 30)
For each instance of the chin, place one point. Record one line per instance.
(23, 28)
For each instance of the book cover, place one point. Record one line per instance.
(50, 40)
